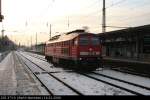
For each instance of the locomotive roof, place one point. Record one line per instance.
(67, 37)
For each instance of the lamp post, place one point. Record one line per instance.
(1, 16)
(104, 18)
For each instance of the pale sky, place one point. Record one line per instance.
(25, 18)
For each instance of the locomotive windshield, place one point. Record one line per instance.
(95, 41)
(84, 41)
(89, 41)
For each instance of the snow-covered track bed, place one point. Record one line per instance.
(130, 71)
(36, 56)
(80, 84)
(122, 84)
(47, 80)
(140, 85)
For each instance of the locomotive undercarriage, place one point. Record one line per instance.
(80, 64)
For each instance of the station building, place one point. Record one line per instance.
(131, 43)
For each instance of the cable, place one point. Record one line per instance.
(45, 10)
(117, 3)
(134, 17)
(141, 4)
(92, 5)
(112, 5)
(118, 27)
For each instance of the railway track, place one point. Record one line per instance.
(129, 86)
(137, 90)
(33, 55)
(125, 85)
(73, 90)
(120, 80)
(21, 61)
(128, 71)
(125, 70)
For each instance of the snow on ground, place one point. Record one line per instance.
(122, 84)
(85, 85)
(8, 82)
(143, 81)
(55, 86)
(123, 76)
(14, 79)
(36, 55)
(45, 65)
(25, 83)
(126, 77)
(32, 66)
(89, 86)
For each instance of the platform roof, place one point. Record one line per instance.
(133, 31)
(67, 36)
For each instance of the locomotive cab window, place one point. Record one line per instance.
(83, 41)
(95, 41)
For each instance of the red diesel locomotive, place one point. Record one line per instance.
(77, 48)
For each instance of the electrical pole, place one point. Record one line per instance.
(0, 8)
(36, 42)
(68, 22)
(31, 42)
(2, 30)
(1, 16)
(104, 18)
(50, 33)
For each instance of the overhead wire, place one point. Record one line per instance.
(131, 18)
(116, 3)
(99, 11)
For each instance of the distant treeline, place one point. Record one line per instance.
(6, 44)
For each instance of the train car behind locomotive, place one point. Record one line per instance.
(77, 48)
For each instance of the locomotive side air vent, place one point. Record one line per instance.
(55, 37)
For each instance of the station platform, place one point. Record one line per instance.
(15, 79)
(130, 60)
(126, 62)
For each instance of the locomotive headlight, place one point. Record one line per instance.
(80, 59)
(97, 53)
